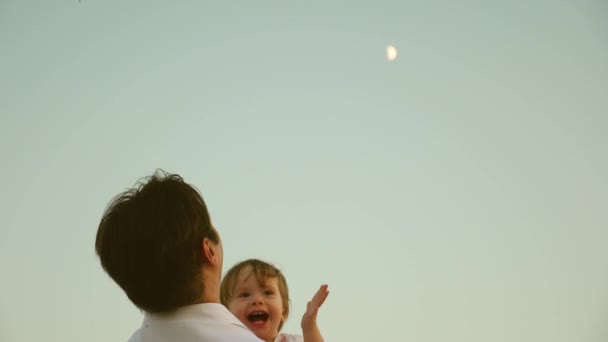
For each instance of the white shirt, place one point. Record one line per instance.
(208, 322)
(289, 338)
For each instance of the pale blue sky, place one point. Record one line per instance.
(459, 193)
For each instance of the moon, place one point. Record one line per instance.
(391, 53)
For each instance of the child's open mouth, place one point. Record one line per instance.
(257, 317)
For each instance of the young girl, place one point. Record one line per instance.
(256, 293)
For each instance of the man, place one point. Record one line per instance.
(158, 244)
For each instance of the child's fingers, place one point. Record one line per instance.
(320, 296)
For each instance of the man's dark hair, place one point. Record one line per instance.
(149, 241)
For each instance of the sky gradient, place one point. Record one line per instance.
(458, 193)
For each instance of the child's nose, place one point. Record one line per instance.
(256, 299)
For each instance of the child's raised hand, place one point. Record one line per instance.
(309, 319)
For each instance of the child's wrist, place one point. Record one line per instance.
(312, 335)
(310, 329)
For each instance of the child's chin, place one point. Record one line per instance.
(265, 337)
(263, 334)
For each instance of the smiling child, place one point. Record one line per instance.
(256, 293)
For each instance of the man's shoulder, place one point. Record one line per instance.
(193, 331)
(190, 336)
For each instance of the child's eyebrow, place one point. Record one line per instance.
(241, 288)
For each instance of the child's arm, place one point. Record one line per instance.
(310, 330)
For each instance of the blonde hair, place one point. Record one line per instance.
(262, 271)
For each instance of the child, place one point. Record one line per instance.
(256, 293)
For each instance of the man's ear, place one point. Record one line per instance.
(209, 249)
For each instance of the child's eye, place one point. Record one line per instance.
(243, 294)
(268, 292)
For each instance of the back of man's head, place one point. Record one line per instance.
(149, 241)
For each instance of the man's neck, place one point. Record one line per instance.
(211, 292)
(209, 297)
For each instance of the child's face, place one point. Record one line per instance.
(258, 306)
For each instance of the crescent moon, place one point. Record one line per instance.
(391, 52)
